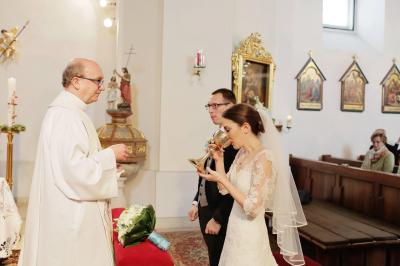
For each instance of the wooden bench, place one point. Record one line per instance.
(344, 162)
(347, 162)
(354, 218)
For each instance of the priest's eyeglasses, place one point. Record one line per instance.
(98, 82)
(214, 105)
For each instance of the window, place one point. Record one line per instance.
(338, 14)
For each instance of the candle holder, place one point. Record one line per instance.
(199, 63)
(198, 69)
(10, 131)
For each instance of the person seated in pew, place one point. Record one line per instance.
(379, 158)
(392, 148)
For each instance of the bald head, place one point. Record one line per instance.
(84, 78)
(76, 68)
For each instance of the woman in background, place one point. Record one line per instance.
(379, 158)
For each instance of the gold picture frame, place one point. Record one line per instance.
(310, 82)
(391, 90)
(353, 83)
(253, 71)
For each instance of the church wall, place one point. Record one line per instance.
(57, 32)
(298, 30)
(168, 99)
(140, 25)
(343, 134)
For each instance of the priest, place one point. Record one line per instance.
(68, 220)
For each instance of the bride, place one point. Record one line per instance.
(259, 180)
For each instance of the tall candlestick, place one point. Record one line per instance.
(11, 101)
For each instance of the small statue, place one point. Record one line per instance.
(113, 94)
(125, 87)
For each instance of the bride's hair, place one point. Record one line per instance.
(243, 113)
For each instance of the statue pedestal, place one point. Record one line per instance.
(130, 172)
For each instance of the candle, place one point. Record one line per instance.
(289, 120)
(11, 101)
(11, 87)
(199, 60)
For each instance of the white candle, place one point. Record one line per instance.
(11, 100)
(289, 120)
(11, 87)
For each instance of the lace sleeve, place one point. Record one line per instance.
(221, 188)
(261, 177)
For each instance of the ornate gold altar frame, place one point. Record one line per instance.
(391, 90)
(353, 84)
(253, 71)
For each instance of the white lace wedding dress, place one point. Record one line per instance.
(246, 241)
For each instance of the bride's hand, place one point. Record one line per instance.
(217, 152)
(213, 176)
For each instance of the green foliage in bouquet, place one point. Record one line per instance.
(135, 224)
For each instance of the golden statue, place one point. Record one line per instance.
(8, 40)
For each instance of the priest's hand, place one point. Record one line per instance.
(120, 151)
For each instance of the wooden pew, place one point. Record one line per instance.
(354, 218)
(347, 162)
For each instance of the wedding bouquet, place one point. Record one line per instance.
(136, 224)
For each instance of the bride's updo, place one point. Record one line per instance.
(243, 113)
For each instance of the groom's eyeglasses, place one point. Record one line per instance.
(214, 105)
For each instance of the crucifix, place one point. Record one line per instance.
(129, 53)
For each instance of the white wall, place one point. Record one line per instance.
(290, 28)
(168, 100)
(58, 31)
(140, 25)
(343, 134)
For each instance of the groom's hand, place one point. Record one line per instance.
(212, 227)
(193, 213)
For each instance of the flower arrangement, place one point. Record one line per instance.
(136, 224)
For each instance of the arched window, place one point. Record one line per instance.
(338, 14)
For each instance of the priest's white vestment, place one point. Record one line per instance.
(68, 220)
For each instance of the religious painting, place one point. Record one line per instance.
(391, 91)
(310, 87)
(254, 82)
(252, 72)
(353, 84)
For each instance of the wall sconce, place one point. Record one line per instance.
(109, 12)
(104, 3)
(199, 63)
(108, 22)
(289, 122)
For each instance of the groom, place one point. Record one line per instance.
(209, 205)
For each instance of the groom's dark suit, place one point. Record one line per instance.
(219, 208)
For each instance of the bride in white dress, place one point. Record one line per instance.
(259, 180)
